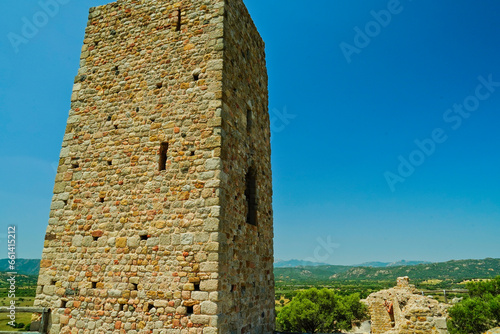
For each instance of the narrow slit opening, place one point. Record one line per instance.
(197, 287)
(135, 286)
(249, 120)
(162, 161)
(63, 303)
(189, 310)
(179, 19)
(110, 163)
(251, 197)
(150, 307)
(96, 238)
(94, 285)
(144, 237)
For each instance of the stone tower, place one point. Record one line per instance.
(161, 220)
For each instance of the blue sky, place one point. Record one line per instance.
(340, 128)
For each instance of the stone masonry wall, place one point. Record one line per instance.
(247, 249)
(143, 236)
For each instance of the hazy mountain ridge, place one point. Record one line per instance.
(296, 263)
(278, 263)
(452, 270)
(23, 266)
(392, 264)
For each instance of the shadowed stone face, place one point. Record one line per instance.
(149, 226)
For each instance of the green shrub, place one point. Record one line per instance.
(479, 312)
(314, 310)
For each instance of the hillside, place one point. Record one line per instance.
(21, 280)
(23, 266)
(451, 270)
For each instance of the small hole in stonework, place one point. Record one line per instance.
(116, 126)
(196, 77)
(110, 162)
(101, 199)
(150, 307)
(94, 285)
(159, 85)
(263, 315)
(189, 310)
(196, 287)
(137, 109)
(63, 303)
(109, 118)
(53, 282)
(65, 202)
(192, 153)
(152, 120)
(144, 237)
(135, 286)
(113, 32)
(96, 43)
(75, 165)
(96, 238)
(233, 288)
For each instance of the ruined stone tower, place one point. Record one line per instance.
(161, 220)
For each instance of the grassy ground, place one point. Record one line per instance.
(24, 318)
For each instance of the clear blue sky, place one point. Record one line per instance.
(338, 126)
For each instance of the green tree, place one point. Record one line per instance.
(314, 311)
(471, 316)
(479, 312)
(483, 288)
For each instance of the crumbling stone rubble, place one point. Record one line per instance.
(403, 310)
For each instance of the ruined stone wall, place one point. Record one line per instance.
(142, 209)
(247, 252)
(411, 312)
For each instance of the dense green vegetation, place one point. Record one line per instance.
(313, 311)
(25, 285)
(479, 312)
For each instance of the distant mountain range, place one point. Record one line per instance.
(23, 266)
(302, 263)
(451, 270)
(296, 263)
(391, 264)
